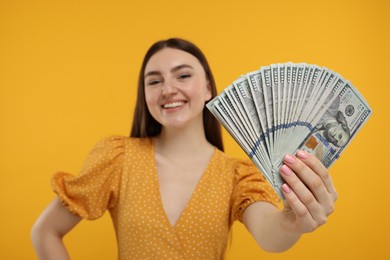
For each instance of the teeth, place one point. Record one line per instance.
(174, 104)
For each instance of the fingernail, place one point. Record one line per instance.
(302, 154)
(285, 170)
(289, 158)
(286, 188)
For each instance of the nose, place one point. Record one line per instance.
(168, 89)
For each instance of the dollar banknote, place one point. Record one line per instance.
(286, 107)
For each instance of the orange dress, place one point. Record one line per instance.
(120, 176)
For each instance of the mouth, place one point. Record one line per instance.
(173, 104)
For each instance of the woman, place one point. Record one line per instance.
(170, 190)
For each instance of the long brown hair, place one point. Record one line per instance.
(144, 125)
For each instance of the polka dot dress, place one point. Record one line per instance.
(120, 175)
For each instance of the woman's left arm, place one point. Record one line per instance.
(310, 197)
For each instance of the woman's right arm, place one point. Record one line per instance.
(49, 229)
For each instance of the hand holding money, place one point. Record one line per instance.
(283, 108)
(309, 192)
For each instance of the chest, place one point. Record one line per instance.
(177, 184)
(199, 201)
(155, 191)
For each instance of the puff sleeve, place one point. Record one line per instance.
(95, 189)
(250, 186)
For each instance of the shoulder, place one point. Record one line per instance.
(114, 146)
(123, 141)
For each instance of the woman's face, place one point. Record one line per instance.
(176, 88)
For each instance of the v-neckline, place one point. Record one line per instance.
(193, 194)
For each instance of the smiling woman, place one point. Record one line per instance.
(144, 124)
(170, 189)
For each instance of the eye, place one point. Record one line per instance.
(184, 76)
(153, 82)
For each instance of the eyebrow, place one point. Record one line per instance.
(176, 68)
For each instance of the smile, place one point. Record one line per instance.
(174, 104)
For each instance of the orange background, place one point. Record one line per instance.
(68, 73)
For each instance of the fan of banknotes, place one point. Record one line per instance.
(281, 108)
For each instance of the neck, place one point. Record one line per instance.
(184, 142)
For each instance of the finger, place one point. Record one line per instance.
(305, 221)
(316, 188)
(307, 176)
(302, 191)
(320, 170)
